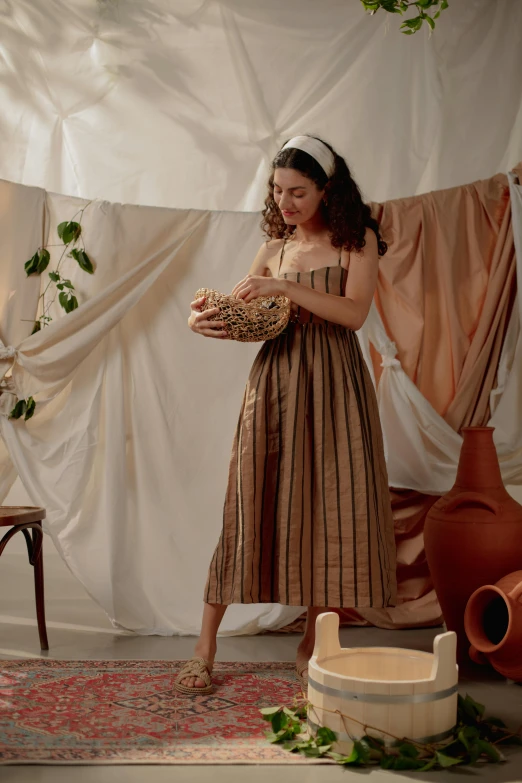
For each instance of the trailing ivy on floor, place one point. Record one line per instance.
(475, 739)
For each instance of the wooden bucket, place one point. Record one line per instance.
(381, 691)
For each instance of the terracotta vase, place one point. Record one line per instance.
(472, 535)
(493, 622)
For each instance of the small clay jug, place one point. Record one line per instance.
(472, 535)
(493, 622)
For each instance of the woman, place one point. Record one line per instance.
(307, 516)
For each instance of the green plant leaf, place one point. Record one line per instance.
(407, 749)
(37, 326)
(267, 712)
(32, 265)
(430, 21)
(414, 24)
(30, 408)
(495, 722)
(489, 750)
(387, 761)
(406, 762)
(353, 758)
(479, 708)
(63, 300)
(68, 231)
(431, 763)
(325, 735)
(83, 260)
(43, 260)
(18, 410)
(447, 761)
(54, 276)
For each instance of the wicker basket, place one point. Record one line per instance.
(248, 322)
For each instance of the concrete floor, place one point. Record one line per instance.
(78, 629)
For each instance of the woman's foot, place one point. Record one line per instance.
(198, 670)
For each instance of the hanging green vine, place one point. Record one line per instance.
(422, 7)
(70, 234)
(475, 739)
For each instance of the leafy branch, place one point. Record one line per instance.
(70, 234)
(410, 26)
(474, 739)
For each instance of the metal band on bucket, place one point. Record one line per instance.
(378, 698)
(342, 737)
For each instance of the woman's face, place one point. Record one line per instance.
(297, 197)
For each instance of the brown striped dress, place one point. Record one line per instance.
(307, 518)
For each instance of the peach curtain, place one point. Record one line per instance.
(445, 293)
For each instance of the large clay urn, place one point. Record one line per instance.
(472, 535)
(493, 622)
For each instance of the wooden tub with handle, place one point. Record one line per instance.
(383, 691)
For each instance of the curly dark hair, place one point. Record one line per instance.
(347, 216)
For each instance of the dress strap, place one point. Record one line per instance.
(281, 256)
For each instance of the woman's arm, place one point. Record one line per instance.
(350, 310)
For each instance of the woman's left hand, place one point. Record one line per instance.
(253, 286)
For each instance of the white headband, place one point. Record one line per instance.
(316, 149)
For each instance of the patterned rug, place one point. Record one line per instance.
(127, 712)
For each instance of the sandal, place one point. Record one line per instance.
(196, 667)
(302, 673)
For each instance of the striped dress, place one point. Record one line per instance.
(307, 518)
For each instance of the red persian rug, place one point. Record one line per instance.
(127, 712)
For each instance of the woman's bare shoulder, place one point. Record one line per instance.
(267, 256)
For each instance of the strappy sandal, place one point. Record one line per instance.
(196, 667)
(302, 674)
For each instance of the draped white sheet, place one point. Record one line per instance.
(181, 104)
(128, 449)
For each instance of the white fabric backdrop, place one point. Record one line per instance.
(181, 104)
(129, 446)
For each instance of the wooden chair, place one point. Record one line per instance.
(28, 519)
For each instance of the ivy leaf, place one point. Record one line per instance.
(406, 762)
(18, 410)
(430, 22)
(267, 712)
(83, 260)
(362, 751)
(68, 231)
(54, 276)
(489, 750)
(43, 260)
(431, 763)
(325, 735)
(407, 749)
(37, 326)
(31, 405)
(447, 761)
(414, 24)
(495, 722)
(32, 265)
(72, 304)
(63, 300)
(478, 708)
(353, 758)
(387, 761)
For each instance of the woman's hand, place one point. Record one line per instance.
(199, 321)
(253, 286)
